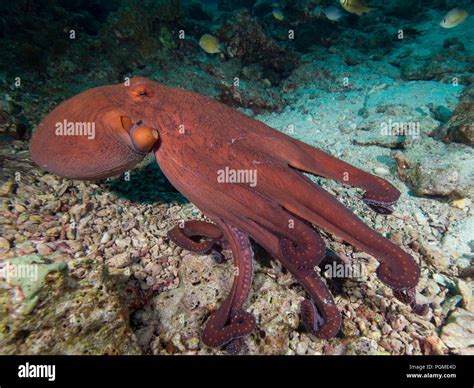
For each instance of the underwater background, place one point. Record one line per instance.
(388, 90)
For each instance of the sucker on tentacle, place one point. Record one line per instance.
(322, 319)
(306, 255)
(182, 236)
(380, 206)
(230, 322)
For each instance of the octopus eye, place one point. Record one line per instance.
(141, 92)
(143, 138)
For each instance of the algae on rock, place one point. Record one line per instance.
(435, 169)
(67, 316)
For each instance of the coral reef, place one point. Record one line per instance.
(245, 38)
(141, 28)
(63, 312)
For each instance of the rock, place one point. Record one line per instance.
(434, 346)
(458, 334)
(68, 317)
(251, 95)
(461, 203)
(105, 238)
(392, 125)
(253, 72)
(193, 343)
(362, 345)
(123, 242)
(460, 127)
(465, 290)
(364, 138)
(381, 171)
(440, 113)
(434, 255)
(420, 218)
(121, 260)
(276, 308)
(450, 304)
(4, 245)
(302, 348)
(245, 38)
(435, 169)
(19, 208)
(80, 209)
(444, 281)
(457, 240)
(144, 336)
(203, 286)
(443, 65)
(6, 188)
(44, 249)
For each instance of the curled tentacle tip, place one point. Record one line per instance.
(382, 203)
(235, 347)
(244, 320)
(380, 207)
(310, 317)
(314, 322)
(143, 138)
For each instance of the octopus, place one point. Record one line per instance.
(249, 179)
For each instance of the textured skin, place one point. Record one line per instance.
(197, 137)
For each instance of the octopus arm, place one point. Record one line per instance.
(230, 321)
(379, 195)
(305, 199)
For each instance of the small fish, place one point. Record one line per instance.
(210, 44)
(278, 14)
(454, 17)
(333, 13)
(357, 7)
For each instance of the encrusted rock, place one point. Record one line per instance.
(460, 127)
(458, 334)
(245, 38)
(436, 169)
(121, 260)
(362, 345)
(466, 293)
(203, 286)
(56, 314)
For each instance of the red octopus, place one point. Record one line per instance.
(209, 152)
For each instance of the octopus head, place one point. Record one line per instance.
(99, 133)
